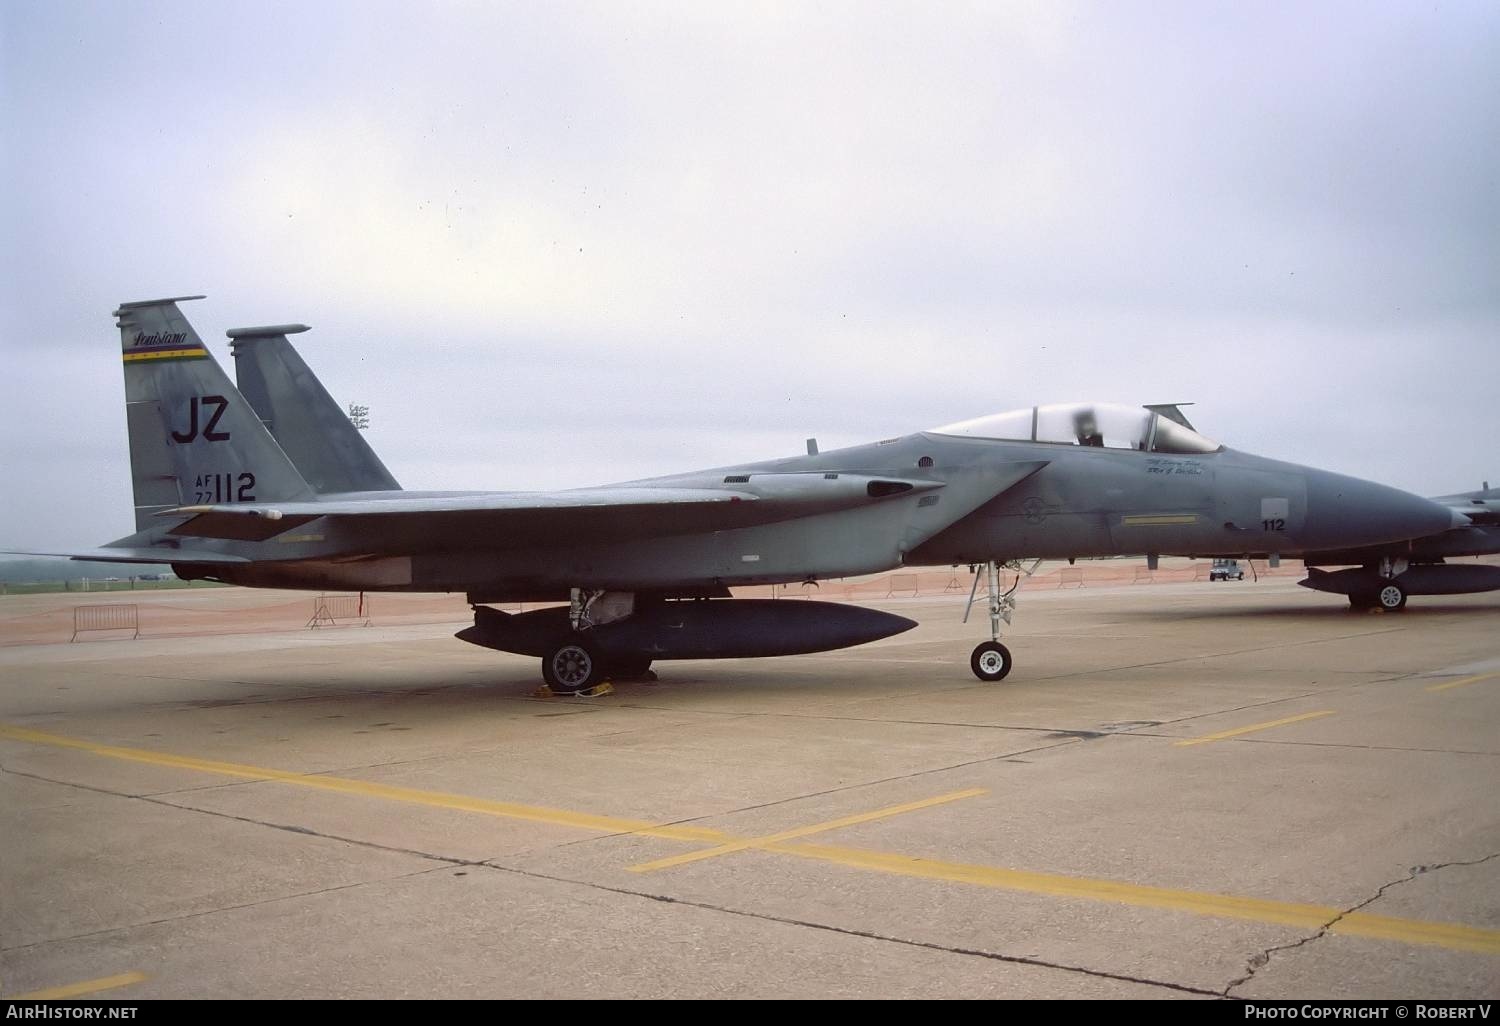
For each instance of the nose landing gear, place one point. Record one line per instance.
(991, 661)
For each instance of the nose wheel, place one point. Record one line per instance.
(991, 661)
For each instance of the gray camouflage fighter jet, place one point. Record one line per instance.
(1382, 576)
(272, 487)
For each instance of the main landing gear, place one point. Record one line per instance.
(1388, 595)
(572, 666)
(576, 664)
(991, 661)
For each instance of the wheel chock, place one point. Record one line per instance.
(599, 690)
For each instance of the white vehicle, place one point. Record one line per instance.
(1226, 570)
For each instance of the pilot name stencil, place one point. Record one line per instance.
(1157, 465)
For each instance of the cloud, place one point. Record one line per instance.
(559, 244)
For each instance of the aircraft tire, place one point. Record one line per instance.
(572, 666)
(1391, 597)
(990, 662)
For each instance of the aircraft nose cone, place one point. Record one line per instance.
(1345, 512)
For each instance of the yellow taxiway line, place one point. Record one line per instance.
(1453, 936)
(73, 990)
(370, 789)
(1224, 734)
(1465, 682)
(816, 828)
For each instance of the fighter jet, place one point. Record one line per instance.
(1383, 576)
(282, 492)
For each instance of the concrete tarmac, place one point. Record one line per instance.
(1183, 790)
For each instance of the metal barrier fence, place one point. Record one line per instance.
(902, 583)
(340, 610)
(114, 617)
(1070, 575)
(1143, 573)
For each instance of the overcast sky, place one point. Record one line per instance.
(555, 244)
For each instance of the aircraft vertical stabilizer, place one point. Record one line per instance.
(309, 426)
(193, 438)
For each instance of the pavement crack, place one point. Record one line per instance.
(913, 775)
(158, 799)
(447, 860)
(443, 860)
(68, 783)
(807, 924)
(1203, 657)
(1261, 959)
(202, 913)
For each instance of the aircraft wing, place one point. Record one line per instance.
(136, 554)
(616, 512)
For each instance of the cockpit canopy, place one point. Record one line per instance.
(1101, 425)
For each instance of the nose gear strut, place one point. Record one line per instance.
(991, 660)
